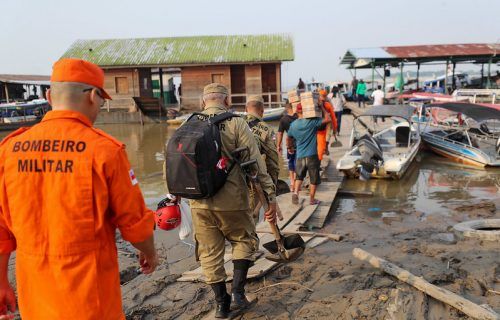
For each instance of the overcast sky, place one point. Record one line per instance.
(36, 33)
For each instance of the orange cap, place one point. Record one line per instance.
(323, 92)
(81, 71)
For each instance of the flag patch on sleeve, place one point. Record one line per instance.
(133, 179)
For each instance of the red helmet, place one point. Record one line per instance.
(168, 215)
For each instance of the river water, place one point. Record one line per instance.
(431, 184)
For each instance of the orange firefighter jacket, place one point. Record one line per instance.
(65, 187)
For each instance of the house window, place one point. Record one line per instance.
(121, 85)
(217, 77)
(145, 81)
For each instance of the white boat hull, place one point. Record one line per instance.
(394, 165)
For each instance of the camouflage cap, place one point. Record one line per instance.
(257, 98)
(215, 88)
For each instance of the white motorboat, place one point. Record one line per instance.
(384, 151)
(468, 136)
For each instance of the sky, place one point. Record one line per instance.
(34, 34)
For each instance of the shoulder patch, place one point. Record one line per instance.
(14, 134)
(109, 137)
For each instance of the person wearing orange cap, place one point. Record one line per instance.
(326, 129)
(65, 188)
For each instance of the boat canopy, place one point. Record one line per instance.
(401, 111)
(475, 111)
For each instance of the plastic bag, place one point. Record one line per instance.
(186, 220)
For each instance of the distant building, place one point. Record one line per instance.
(17, 87)
(139, 70)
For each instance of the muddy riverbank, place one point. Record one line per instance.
(407, 222)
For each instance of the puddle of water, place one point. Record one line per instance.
(431, 185)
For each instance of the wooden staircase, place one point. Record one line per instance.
(151, 107)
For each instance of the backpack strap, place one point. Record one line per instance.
(222, 117)
(253, 123)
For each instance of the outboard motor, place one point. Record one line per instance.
(371, 156)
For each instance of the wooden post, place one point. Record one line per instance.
(269, 99)
(488, 81)
(373, 76)
(453, 82)
(466, 306)
(6, 92)
(402, 77)
(140, 117)
(482, 75)
(446, 78)
(384, 80)
(418, 75)
(160, 72)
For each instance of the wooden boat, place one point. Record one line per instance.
(465, 137)
(270, 114)
(26, 114)
(383, 153)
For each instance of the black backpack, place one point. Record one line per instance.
(196, 168)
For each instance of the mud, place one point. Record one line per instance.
(343, 287)
(407, 222)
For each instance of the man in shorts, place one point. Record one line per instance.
(304, 131)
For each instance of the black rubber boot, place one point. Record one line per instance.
(238, 298)
(223, 300)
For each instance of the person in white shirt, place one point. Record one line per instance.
(338, 101)
(378, 99)
(378, 96)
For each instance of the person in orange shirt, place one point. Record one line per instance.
(65, 187)
(324, 132)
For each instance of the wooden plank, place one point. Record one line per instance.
(301, 218)
(466, 306)
(352, 193)
(331, 236)
(318, 218)
(316, 242)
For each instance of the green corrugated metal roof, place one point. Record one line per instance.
(184, 50)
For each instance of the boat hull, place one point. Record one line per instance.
(384, 172)
(16, 125)
(458, 152)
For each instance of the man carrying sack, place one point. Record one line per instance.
(65, 188)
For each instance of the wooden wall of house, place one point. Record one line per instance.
(269, 81)
(194, 79)
(253, 79)
(122, 85)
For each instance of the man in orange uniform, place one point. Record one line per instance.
(64, 189)
(326, 128)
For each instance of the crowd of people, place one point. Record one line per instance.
(64, 235)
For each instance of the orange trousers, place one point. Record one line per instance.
(321, 136)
